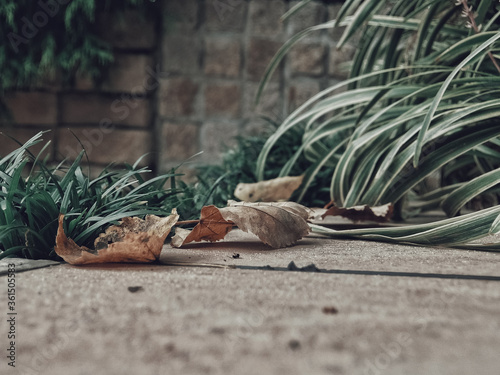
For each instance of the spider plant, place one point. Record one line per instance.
(422, 99)
(33, 195)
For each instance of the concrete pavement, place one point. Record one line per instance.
(373, 308)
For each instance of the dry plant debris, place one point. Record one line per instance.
(277, 224)
(135, 289)
(331, 310)
(133, 241)
(277, 189)
(379, 214)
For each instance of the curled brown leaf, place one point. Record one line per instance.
(133, 241)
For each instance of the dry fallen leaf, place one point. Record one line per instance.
(277, 224)
(133, 241)
(361, 213)
(277, 189)
(212, 227)
(292, 207)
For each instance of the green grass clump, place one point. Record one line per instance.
(33, 195)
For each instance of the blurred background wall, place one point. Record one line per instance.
(182, 82)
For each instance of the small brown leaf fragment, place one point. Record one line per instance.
(277, 189)
(212, 227)
(331, 310)
(361, 213)
(133, 241)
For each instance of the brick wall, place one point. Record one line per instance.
(184, 84)
(114, 119)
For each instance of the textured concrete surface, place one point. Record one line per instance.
(373, 309)
(21, 264)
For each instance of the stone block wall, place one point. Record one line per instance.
(184, 84)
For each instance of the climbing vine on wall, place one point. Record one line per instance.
(47, 39)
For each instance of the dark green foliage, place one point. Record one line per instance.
(41, 40)
(216, 183)
(32, 196)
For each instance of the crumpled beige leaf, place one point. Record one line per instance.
(292, 207)
(133, 241)
(277, 189)
(361, 213)
(277, 224)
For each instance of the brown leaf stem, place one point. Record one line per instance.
(188, 222)
(472, 22)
